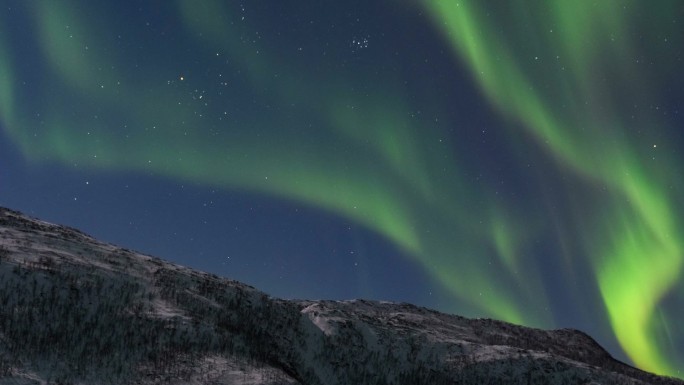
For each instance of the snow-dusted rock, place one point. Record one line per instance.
(74, 310)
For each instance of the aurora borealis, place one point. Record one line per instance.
(523, 158)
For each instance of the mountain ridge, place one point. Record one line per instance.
(76, 310)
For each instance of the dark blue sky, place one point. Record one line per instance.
(516, 161)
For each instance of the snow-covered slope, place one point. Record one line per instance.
(74, 310)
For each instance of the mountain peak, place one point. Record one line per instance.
(76, 310)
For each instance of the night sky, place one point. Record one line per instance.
(518, 160)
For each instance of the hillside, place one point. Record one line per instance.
(74, 310)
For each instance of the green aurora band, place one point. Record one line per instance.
(641, 260)
(570, 100)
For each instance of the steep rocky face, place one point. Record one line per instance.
(74, 310)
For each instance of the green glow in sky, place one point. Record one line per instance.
(225, 105)
(364, 158)
(562, 89)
